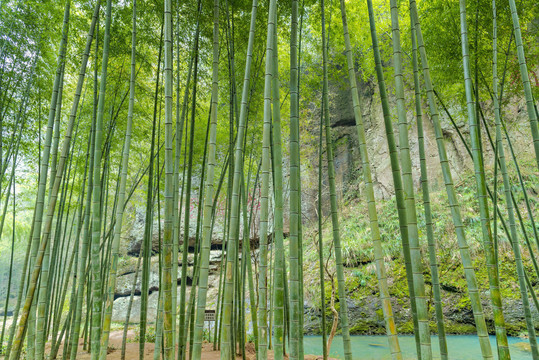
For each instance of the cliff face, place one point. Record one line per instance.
(346, 147)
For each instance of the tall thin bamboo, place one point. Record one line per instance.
(507, 189)
(120, 204)
(473, 124)
(130, 304)
(469, 272)
(11, 184)
(296, 308)
(81, 222)
(264, 197)
(248, 263)
(184, 321)
(433, 262)
(180, 119)
(48, 262)
(168, 281)
(408, 190)
(371, 202)
(14, 147)
(148, 225)
(81, 274)
(238, 170)
(96, 200)
(300, 215)
(280, 296)
(50, 212)
(40, 201)
(397, 180)
(321, 241)
(333, 197)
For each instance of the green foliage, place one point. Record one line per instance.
(360, 269)
(439, 26)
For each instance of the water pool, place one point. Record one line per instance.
(460, 347)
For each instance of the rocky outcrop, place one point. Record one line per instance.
(365, 316)
(121, 304)
(135, 236)
(124, 285)
(126, 275)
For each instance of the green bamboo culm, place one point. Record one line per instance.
(300, 211)
(396, 174)
(148, 221)
(36, 333)
(333, 198)
(233, 240)
(247, 265)
(321, 240)
(263, 250)
(184, 321)
(277, 315)
(247, 220)
(120, 204)
(469, 272)
(209, 191)
(34, 276)
(96, 200)
(408, 190)
(232, 276)
(169, 284)
(197, 253)
(264, 203)
(12, 252)
(389, 319)
(433, 262)
(180, 118)
(296, 308)
(507, 190)
(40, 331)
(280, 296)
(49, 280)
(495, 295)
(530, 103)
(81, 272)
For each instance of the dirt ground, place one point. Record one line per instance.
(132, 350)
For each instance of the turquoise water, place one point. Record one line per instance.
(460, 347)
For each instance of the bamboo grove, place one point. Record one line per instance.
(195, 116)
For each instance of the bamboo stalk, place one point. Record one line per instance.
(469, 272)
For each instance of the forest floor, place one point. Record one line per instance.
(132, 349)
